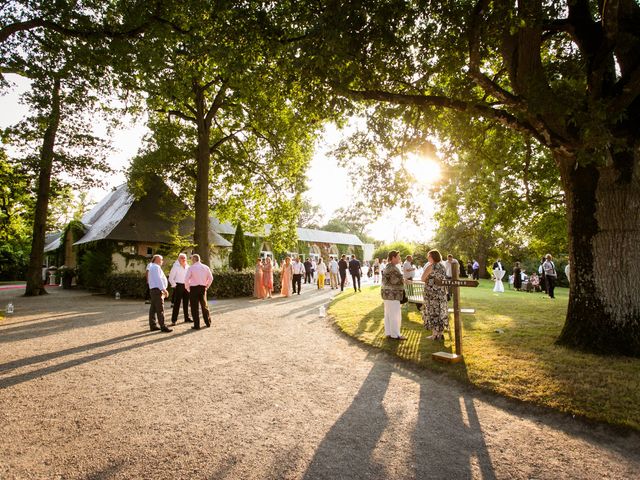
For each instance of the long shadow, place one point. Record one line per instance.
(23, 362)
(63, 323)
(41, 372)
(346, 450)
(445, 445)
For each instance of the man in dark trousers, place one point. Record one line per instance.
(343, 266)
(197, 282)
(356, 271)
(307, 271)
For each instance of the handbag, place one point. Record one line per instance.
(405, 299)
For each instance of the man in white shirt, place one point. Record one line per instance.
(196, 282)
(550, 275)
(298, 272)
(333, 273)
(180, 295)
(448, 271)
(158, 291)
(448, 266)
(408, 269)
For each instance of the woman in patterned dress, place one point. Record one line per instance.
(286, 277)
(267, 277)
(258, 286)
(435, 313)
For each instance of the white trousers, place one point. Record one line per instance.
(392, 318)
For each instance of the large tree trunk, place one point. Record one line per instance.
(604, 234)
(35, 285)
(201, 227)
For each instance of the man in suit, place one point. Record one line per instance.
(196, 282)
(356, 272)
(497, 265)
(307, 271)
(342, 269)
(158, 291)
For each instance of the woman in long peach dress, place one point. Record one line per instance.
(258, 286)
(267, 277)
(286, 276)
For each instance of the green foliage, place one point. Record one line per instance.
(238, 258)
(403, 247)
(128, 284)
(16, 206)
(95, 266)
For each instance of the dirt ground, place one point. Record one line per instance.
(270, 391)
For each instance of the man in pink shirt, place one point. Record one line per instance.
(196, 282)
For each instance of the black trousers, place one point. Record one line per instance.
(343, 278)
(180, 296)
(551, 286)
(156, 309)
(308, 278)
(297, 280)
(198, 297)
(355, 278)
(476, 274)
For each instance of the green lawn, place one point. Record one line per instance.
(522, 363)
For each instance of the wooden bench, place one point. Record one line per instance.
(415, 293)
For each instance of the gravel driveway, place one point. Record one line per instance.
(270, 391)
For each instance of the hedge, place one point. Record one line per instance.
(226, 284)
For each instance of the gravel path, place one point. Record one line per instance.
(270, 391)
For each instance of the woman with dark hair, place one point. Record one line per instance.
(392, 292)
(435, 313)
(517, 277)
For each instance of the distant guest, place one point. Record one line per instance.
(267, 277)
(286, 277)
(258, 286)
(321, 268)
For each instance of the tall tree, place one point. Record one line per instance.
(226, 121)
(564, 73)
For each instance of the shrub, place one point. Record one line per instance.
(230, 284)
(94, 268)
(128, 284)
(238, 259)
(226, 284)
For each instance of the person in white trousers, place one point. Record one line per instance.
(392, 292)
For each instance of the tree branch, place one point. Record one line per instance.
(218, 101)
(473, 36)
(541, 133)
(179, 114)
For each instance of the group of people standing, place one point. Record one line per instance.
(294, 270)
(189, 284)
(544, 280)
(435, 313)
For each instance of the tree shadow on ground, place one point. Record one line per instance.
(63, 322)
(23, 362)
(445, 445)
(6, 382)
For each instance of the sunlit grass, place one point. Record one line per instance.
(523, 362)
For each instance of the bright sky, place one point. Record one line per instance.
(329, 185)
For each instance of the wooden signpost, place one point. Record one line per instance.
(454, 283)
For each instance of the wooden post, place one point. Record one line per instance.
(454, 284)
(456, 310)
